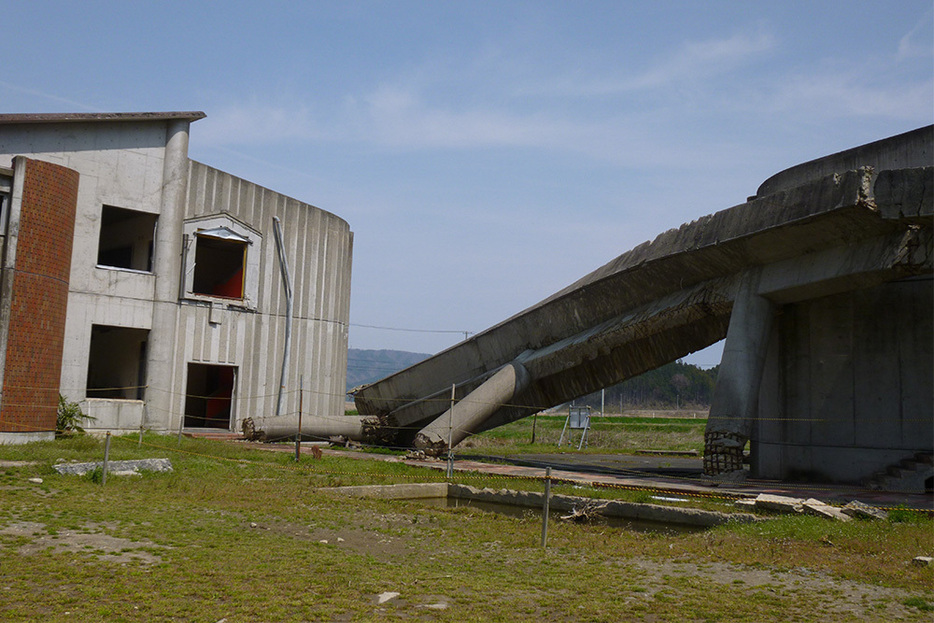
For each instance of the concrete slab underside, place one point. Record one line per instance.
(842, 233)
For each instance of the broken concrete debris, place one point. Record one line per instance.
(818, 508)
(117, 468)
(864, 511)
(813, 506)
(781, 503)
(387, 596)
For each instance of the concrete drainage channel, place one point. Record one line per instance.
(639, 516)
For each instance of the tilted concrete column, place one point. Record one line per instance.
(736, 394)
(162, 411)
(473, 410)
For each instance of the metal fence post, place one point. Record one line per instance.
(450, 435)
(106, 458)
(545, 507)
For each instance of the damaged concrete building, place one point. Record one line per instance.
(146, 286)
(821, 285)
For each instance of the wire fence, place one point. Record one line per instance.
(470, 471)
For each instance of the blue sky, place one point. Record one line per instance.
(487, 154)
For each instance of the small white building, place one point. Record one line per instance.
(176, 311)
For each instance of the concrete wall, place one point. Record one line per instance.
(848, 386)
(904, 151)
(142, 165)
(319, 247)
(121, 164)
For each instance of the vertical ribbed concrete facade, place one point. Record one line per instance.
(318, 247)
(175, 311)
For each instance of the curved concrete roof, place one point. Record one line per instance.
(903, 151)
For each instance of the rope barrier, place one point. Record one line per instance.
(481, 476)
(445, 402)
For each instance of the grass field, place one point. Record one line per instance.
(246, 535)
(651, 430)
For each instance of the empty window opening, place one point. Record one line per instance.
(126, 239)
(209, 397)
(220, 257)
(117, 363)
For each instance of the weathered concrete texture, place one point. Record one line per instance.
(909, 150)
(612, 508)
(405, 491)
(561, 503)
(312, 427)
(667, 298)
(853, 394)
(818, 508)
(864, 511)
(454, 425)
(138, 465)
(138, 164)
(780, 503)
(736, 395)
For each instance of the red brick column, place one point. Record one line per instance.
(39, 292)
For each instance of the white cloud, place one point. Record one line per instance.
(909, 46)
(693, 61)
(857, 94)
(401, 118)
(254, 123)
(48, 97)
(696, 60)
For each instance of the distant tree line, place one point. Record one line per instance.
(674, 385)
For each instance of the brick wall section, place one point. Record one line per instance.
(39, 298)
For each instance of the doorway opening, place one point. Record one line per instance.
(209, 398)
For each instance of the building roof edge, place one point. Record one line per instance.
(94, 117)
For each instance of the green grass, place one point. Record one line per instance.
(607, 434)
(237, 533)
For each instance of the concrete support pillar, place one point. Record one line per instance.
(473, 410)
(162, 407)
(314, 428)
(736, 395)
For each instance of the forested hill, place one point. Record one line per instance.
(676, 384)
(366, 366)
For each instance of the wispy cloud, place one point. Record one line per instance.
(402, 118)
(698, 60)
(909, 45)
(70, 103)
(255, 123)
(849, 94)
(693, 61)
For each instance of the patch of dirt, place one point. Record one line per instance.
(830, 596)
(90, 540)
(383, 547)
